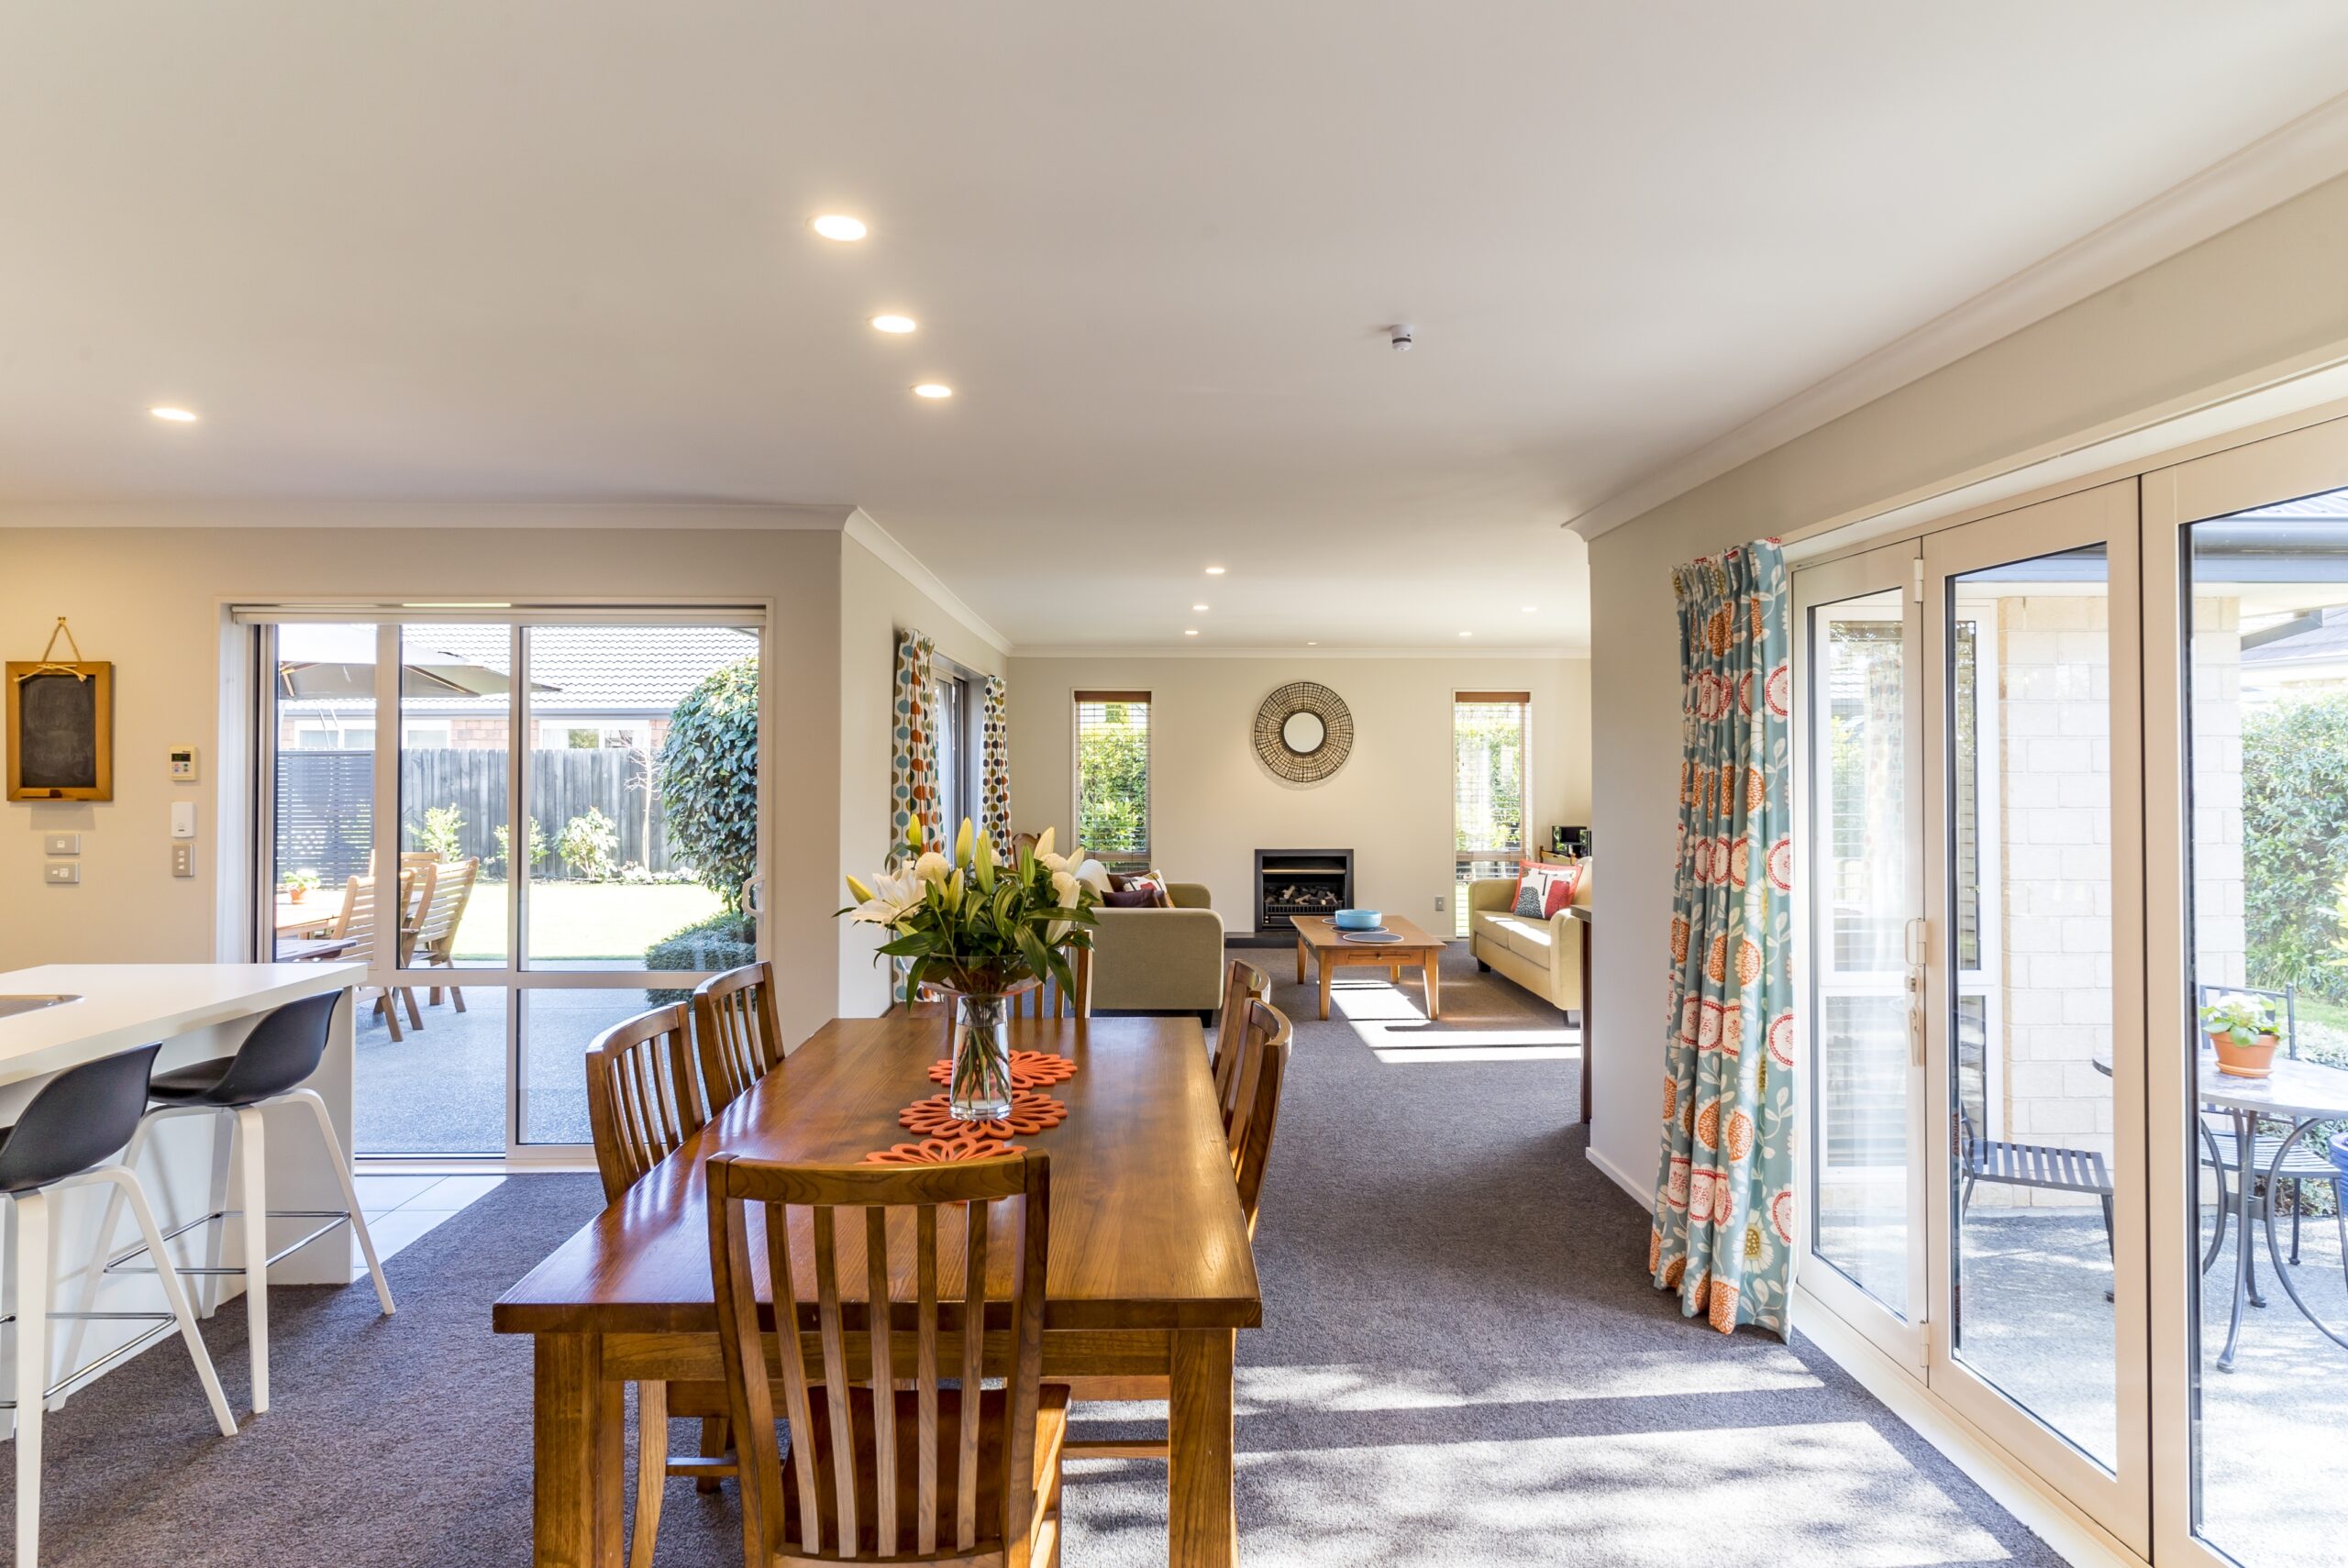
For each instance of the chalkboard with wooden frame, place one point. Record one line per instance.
(61, 731)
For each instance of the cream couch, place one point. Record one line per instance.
(1160, 960)
(1541, 956)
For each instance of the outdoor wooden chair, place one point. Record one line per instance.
(353, 937)
(735, 1032)
(1269, 1041)
(441, 912)
(642, 1104)
(889, 1460)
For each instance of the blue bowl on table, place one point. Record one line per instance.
(1357, 920)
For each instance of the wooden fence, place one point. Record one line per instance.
(325, 806)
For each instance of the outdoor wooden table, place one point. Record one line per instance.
(308, 915)
(1318, 936)
(1151, 1270)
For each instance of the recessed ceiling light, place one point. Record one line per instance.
(933, 389)
(839, 225)
(1199, 607)
(1312, 645)
(893, 323)
(1189, 631)
(1215, 571)
(1533, 609)
(1466, 634)
(175, 416)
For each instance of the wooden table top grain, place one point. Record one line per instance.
(1147, 1229)
(1320, 932)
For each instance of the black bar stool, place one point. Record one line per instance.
(68, 1133)
(270, 1068)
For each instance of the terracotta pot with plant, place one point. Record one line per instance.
(298, 886)
(2241, 1029)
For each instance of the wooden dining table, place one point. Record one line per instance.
(1151, 1272)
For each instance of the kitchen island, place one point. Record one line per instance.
(59, 1015)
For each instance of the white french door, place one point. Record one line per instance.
(1972, 969)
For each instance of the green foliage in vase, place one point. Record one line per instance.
(707, 774)
(975, 922)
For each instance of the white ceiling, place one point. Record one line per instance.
(558, 250)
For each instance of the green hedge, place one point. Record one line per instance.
(720, 942)
(2295, 843)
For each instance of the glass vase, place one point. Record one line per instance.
(978, 1084)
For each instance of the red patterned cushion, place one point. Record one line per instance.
(1562, 886)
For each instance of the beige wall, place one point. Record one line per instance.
(876, 602)
(151, 600)
(1214, 803)
(2256, 296)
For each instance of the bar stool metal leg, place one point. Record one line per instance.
(32, 1365)
(125, 1181)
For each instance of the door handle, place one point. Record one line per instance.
(1919, 947)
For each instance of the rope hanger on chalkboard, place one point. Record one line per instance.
(49, 666)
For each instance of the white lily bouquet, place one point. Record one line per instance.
(981, 927)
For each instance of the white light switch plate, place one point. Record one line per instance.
(61, 875)
(61, 843)
(183, 819)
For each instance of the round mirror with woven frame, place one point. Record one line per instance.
(1304, 732)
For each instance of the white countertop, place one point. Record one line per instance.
(127, 1005)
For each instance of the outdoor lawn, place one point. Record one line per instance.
(584, 920)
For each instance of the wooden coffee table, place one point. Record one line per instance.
(1315, 934)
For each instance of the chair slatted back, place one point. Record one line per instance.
(1265, 1023)
(1254, 1150)
(443, 904)
(362, 911)
(843, 1513)
(1241, 984)
(1051, 1000)
(641, 1098)
(735, 1032)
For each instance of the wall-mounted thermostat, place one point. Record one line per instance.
(183, 765)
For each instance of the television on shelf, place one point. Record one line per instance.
(1573, 841)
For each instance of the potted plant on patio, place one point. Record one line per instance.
(2242, 1031)
(979, 929)
(299, 885)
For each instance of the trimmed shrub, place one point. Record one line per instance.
(725, 941)
(707, 774)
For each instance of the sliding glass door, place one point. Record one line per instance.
(572, 814)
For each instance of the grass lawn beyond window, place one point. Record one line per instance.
(583, 919)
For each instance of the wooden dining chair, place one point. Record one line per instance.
(1241, 983)
(642, 1104)
(887, 1459)
(735, 1032)
(1050, 1000)
(440, 911)
(1274, 1045)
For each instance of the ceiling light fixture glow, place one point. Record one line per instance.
(174, 415)
(1466, 634)
(1189, 631)
(933, 390)
(1215, 571)
(1200, 608)
(839, 225)
(1533, 609)
(893, 323)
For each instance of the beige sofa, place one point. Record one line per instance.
(1541, 956)
(1160, 960)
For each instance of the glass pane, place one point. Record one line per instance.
(2268, 685)
(1113, 778)
(953, 784)
(557, 1025)
(440, 1089)
(2030, 765)
(1858, 704)
(456, 732)
(322, 856)
(642, 789)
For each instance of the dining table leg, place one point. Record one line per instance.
(578, 1427)
(1201, 1514)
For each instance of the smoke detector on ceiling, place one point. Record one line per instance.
(1401, 338)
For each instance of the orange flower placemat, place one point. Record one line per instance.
(943, 1151)
(1030, 1112)
(1029, 1071)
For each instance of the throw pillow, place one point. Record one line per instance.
(1155, 883)
(1129, 898)
(1532, 893)
(1563, 888)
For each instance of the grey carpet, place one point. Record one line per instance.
(1462, 1363)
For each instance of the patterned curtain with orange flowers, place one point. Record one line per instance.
(1723, 1204)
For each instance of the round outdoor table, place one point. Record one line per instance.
(2306, 1095)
